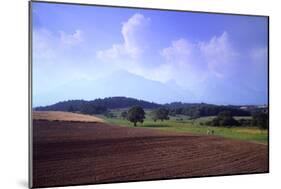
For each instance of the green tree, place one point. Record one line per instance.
(162, 114)
(136, 114)
(260, 120)
(224, 118)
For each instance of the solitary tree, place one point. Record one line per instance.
(136, 114)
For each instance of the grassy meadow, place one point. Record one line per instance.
(183, 123)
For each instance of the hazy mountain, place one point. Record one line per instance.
(119, 83)
(218, 91)
(123, 83)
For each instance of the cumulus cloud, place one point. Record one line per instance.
(133, 43)
(180, 51)
(216, 51)
(187, 63)
(181, 62)
(219, 54)
(193, 62)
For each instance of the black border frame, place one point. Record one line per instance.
(30, 84)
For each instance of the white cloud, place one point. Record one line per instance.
(180, 63)
(48, 45)
(180, 51)
(133, 44)
(71, 39)
(202, 56)
(162, 73)
(43, 43)
(185, 62)
(219, 54)
(215, 56)
(190, 64)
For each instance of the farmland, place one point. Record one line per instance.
(64, 116)
(74, 152)
(198, 126)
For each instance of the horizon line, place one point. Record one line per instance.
(183, 102)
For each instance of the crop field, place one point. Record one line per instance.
(75, 152)
(64, 116)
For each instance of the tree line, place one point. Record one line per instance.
(225, 118)
(137, 114)
(201, 110)
(224, 114)
(102, 106)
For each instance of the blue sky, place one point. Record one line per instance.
(88, 52)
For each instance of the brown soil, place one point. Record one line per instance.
(64, 116)
(71, 153)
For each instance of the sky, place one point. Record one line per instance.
(89, 52)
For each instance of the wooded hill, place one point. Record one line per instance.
(100, 106)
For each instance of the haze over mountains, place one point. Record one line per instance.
(123, 83)
(119, 83)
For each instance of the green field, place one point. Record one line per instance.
(184, 124)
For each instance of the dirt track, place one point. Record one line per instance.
(70, 153)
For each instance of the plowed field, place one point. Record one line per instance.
(70, 153)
